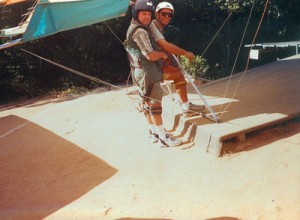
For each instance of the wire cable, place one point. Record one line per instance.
(237, 55)
(248, 60)
(74, 71)
(81, 74)
(216, 34)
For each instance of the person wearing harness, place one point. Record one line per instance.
(171, 71)
(145, 63)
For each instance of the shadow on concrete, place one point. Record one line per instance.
(42, 172)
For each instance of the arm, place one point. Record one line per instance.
(156, 33)
(141, 37)
(155, 55)
(172, 48)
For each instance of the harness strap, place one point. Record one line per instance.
(157, 110)
(179, 83)
(148, 91)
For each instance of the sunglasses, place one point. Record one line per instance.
(165, 14)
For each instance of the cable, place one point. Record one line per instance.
(236, 57)
(248, 60)
(80, 73)
(216, 34)
(113, 32)
(73, 71)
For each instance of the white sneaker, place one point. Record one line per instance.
(170, 141)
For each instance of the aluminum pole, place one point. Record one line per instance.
(215, 118)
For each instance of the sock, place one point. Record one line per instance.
(161, 132)
(152, 128)
(185, 106)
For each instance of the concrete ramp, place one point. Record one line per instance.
(264, 96)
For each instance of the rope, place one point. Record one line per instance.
(216, 34)
(236, 57)
(113, 33)
(129, 75)
(84, 75)
(73, 71)
(248, 60)
(80, 73)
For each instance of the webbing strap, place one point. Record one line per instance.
(148, 91)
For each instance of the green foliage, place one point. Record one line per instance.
(197, 68)
(230, 5)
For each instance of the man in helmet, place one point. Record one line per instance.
(145, 64)
(171, 71)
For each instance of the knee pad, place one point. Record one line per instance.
(179, 84)
(179, 81)
(152, 110)
(155, 110)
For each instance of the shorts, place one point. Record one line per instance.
(171, 71)
(139, 78)
(176, 76)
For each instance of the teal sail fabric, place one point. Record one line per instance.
(54, 16)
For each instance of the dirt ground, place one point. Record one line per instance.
(88, 157)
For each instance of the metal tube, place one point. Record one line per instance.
(215, 118)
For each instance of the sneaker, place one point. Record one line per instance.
(170, 141)
(194, 110)
(153, 137)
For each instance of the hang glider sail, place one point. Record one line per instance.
(49, 17)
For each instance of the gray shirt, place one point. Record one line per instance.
(156, 31)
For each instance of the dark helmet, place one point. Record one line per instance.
(142, 5)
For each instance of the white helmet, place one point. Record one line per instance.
(163, 5)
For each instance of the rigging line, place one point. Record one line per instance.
(73, 71)
(218, 31)
(80, 73)
(216, 34)
(113, 32)
(248, 60)
(237, 55)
